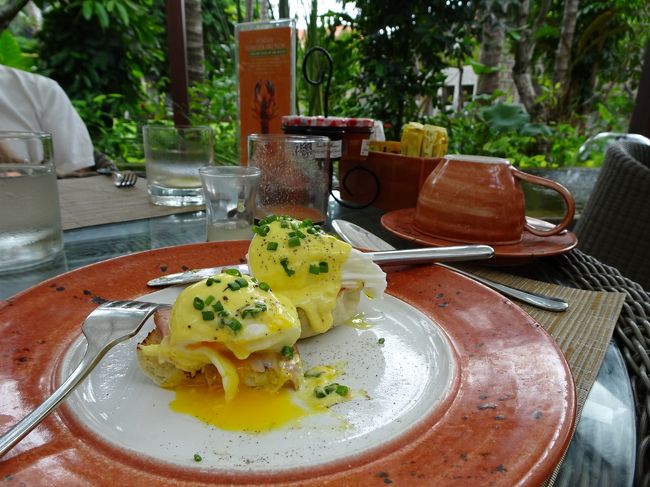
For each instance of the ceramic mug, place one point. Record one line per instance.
(478, 199)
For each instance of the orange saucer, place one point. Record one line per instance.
(401, 223)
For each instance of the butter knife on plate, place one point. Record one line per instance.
(362, 238)
(391, 257)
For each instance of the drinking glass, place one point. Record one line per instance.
(30, 215)
(173, 157)
(295, 175)
(230, 201)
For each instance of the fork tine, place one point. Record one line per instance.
(128, 304)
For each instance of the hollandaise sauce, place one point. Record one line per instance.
(302, 262)
(257, 410)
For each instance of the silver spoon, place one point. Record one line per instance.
(360, 237)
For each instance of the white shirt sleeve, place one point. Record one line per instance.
(73, 148)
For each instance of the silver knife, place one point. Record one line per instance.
(360, 237)
(392, 257)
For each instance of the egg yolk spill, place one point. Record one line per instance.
(257, 411)
(251, 410)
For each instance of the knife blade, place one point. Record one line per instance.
(360, 237)
(392, 257)
(194, 275)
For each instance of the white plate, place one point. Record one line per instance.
(406, 378)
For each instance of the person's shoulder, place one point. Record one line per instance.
(39, 81)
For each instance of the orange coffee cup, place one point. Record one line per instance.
(478, 199)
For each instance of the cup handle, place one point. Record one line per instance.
(568, 199)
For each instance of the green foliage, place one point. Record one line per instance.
(214, 103)
(503, 130)
(103, 59)
(11, 54)
(404, 50)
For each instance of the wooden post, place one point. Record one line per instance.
(640, 123)
(176, 47)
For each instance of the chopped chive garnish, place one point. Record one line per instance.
(198, 303)
(254, 310)
(284, 224)
(261, 230)
(307, 223)
(323, 267)
(313, 373)
(233, 324)
(209, 281)
(381, 341)
(207, 315)
(319, 392)
(342, 390)
(233, 272)
(208, 300)
(272, 246)
(293, 241)
(314, 269)
(242, 282)
(234, 286)
(285, 265)
(287, 352)
(268, 219)
(217, 306)
(197, 457)
(264, 286)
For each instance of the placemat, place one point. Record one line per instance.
(583, 332)
(96, 201)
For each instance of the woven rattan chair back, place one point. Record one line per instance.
(615, 224)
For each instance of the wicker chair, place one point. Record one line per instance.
(615, 225)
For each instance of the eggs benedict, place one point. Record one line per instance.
(321, 275)
(227, 330)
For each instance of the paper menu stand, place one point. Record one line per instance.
(266, 77)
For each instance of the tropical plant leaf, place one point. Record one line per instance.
(505, 116)
(480, 69)
(535, 129)
(10, 53)
(546, 31)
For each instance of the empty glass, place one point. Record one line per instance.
(230, 193)
(173, 158)
(295, 175)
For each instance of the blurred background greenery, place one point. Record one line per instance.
(551, 73)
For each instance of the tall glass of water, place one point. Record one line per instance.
(173, 157)
(30, 216)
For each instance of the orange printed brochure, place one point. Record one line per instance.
(265, 81)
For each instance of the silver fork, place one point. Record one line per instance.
(105, 327)
(124, 179)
